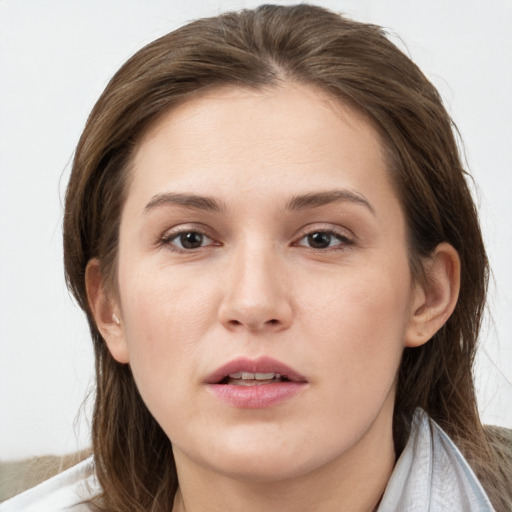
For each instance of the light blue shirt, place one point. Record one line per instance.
(431, 475)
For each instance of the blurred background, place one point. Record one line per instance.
(55, 59)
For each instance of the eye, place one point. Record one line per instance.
(187, 240)
(323, 239)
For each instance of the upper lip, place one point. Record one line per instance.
(260, 365)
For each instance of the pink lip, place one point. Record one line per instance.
(260, 365)
(257, 396)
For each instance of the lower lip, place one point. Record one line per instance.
(256, 397)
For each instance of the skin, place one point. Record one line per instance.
(340, 315)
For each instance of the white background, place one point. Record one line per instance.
(55, 59)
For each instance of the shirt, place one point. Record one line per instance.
(431, 475)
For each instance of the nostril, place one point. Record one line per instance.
(236, 323)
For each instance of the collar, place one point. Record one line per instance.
(432, 475)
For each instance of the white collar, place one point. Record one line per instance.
(431, 475)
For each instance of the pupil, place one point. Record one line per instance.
(319, 240)
(191, 240)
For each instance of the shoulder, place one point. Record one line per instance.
(500, 440)
(67, 491)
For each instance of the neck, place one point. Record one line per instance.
(352, 482)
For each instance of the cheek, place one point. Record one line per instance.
(358, 326)
(163, 301)
(165, 319)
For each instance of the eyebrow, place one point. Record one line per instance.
(300, 202)
(314, 200)
(187, 200)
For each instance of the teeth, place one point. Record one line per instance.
(254, 376)
(266, 376)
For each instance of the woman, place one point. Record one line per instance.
(269, 228)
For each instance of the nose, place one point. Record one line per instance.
(256, 296)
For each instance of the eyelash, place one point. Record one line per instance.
(168, 238)
(344, 241)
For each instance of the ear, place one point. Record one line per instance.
(106, 312)
(435, 300)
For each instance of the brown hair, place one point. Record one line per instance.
(356, 63)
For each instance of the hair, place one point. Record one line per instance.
(356, 63)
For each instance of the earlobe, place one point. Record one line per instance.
(435, 300)
(106, 312)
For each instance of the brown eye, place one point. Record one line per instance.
(324, 240)
(192, 240)
(189, 240)
(319, 240)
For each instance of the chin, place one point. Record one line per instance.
(264, 468)
(266, 455)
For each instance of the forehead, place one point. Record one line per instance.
(235, 107)
(231, 140)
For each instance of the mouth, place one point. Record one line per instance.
(250, 372)
(253, 379)
(255, 384)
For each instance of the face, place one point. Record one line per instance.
(264, 286)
